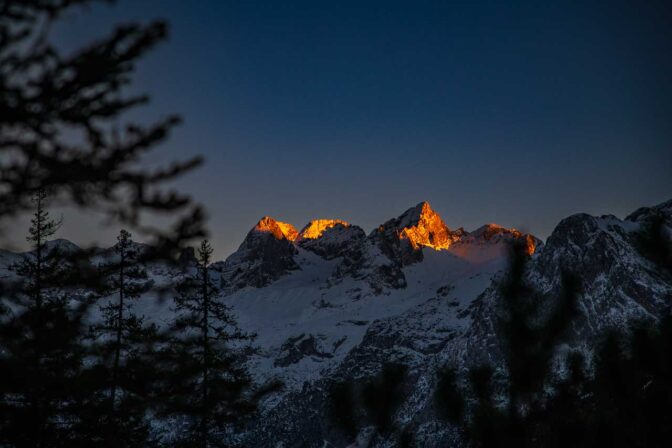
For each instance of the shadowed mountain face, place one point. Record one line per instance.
(418, 293)
(266, 254)
(331, 302)
(403, 238)
(330, 238)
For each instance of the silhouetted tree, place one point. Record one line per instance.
(59, 123)
(208, 383)
(40, 351)
(41, 268)
(119, 382)
(631, 391)
(118, 317)
(342, 407)
(61, 131)
(351, 405)
(382, 395)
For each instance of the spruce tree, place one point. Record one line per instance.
(64, 125)
(209, 385)
(40, 352)
(120, 321)
(118, 383)
(42, 267)
(353, 405)
(63, 128)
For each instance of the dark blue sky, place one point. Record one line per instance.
(519, 113)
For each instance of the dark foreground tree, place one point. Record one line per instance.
(120, 322)
(61, 125)
(40, 351)
(42, 268)
(62, 130)
(208, 385)
(353, 405)
(117, 391)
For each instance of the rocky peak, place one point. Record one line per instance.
(423, 227)
(280, 230)
(420, 226)
(494, 233)
(266, 254)
(663, 209)
(492, 230)
(401, 239)
(315, 228)
(331, 238)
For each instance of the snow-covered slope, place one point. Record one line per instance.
(331, 302)
(443, 314)
(330, 282)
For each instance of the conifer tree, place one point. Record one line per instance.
(209, 385)
(352, 405)
(41, 268)
(119, 318)
(120, 378)
(41, 354)
(97, 163)
(46, 388)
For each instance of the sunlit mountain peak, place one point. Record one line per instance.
(280, 230)
(423, 227)
(315, 228)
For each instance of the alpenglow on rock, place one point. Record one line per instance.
(421, 227)
(280, 230)
(315, 228)
(337, 307)
(272, 249)
(331, 238)
(266, 254)
(418, 227)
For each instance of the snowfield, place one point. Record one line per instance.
(332, 302)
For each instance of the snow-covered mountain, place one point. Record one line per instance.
(330, 302)
(311, 296)
(414, 291)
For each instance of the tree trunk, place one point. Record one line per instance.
(117, 350)
(206, 358)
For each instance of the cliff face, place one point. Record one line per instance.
(315, 228)
(423, 227)
(420, 226)
(402, 238)
(331, 238)
(266, 254)
(279, 230)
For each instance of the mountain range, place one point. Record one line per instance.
(330, 302)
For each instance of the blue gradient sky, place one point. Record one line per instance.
(519, 113)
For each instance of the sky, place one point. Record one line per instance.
(519, 113)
